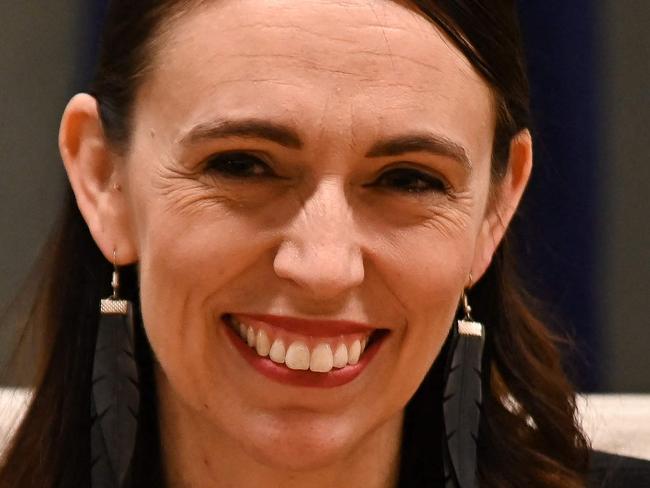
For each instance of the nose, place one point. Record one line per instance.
(320, 252)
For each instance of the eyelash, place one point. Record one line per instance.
(228, 165)
(426, 182)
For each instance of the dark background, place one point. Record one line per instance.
(584, 236)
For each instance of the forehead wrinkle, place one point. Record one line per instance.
(383, 51)
(421, 25)
(303, 30)
(374, 74)
(325, 35)
(384, 35)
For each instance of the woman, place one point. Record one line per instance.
(299, 199)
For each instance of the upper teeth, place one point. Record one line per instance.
(297, 355)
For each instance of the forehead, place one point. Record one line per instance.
(352, 66)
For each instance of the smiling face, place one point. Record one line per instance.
(318, 160)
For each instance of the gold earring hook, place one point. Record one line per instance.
(466, 306)
(115, 281)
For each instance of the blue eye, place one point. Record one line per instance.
(238, 165)
(411, 180)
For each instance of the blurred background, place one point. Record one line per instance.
(586, 238)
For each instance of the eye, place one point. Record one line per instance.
(239, 165)
(411, 180)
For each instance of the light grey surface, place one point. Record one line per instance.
(619, 424)
(626, 187)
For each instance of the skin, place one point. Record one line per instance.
(328, 235)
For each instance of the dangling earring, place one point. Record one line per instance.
(115, 397)
(462, 401)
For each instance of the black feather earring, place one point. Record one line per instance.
(462, 401)
(115, 397)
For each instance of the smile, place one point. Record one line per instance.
(301, 352)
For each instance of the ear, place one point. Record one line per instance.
(97, 179)
(503, 202)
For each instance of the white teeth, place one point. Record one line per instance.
(341, 356)
(321, 360)
(277, 352)
(297, 356)
(262, 344)
(355, 352)
(250, 337)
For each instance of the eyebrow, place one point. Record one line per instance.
(288, 137)
(246, 128)
(421, 142)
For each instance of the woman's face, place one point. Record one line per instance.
(314, 160)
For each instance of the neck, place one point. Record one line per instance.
(196, 454)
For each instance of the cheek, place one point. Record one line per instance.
(427, 271)
(187, 261)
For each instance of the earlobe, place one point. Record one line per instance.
(507, 195)
(95, 178)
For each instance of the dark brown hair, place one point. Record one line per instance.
(528, 435)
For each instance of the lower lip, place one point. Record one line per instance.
(282, 374)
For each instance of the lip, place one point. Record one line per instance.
(311, 327)
(282, 374)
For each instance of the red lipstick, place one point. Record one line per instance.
(312, 327)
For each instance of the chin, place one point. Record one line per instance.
(303, 447)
